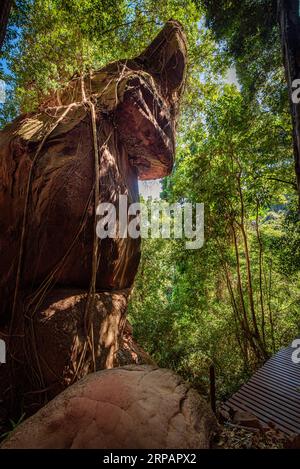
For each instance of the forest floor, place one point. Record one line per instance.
(245, 431)
(235, 437)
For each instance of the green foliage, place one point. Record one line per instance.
(237, 160)
(250, 36)
(287, 247)
(49, 41)
(14, 424)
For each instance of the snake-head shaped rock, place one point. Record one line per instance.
(136, 104)
(123, 117)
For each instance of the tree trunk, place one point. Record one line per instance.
(5, 8)
(289, 20)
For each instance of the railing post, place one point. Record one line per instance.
(212, 385)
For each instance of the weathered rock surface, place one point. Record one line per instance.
(129, 351)
(60, 339)
(127, 407)
(57, 331)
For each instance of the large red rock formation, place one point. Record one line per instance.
(63, 291)
(136, 114)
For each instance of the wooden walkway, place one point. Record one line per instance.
(273, 393)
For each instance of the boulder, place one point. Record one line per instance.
(127, 407)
